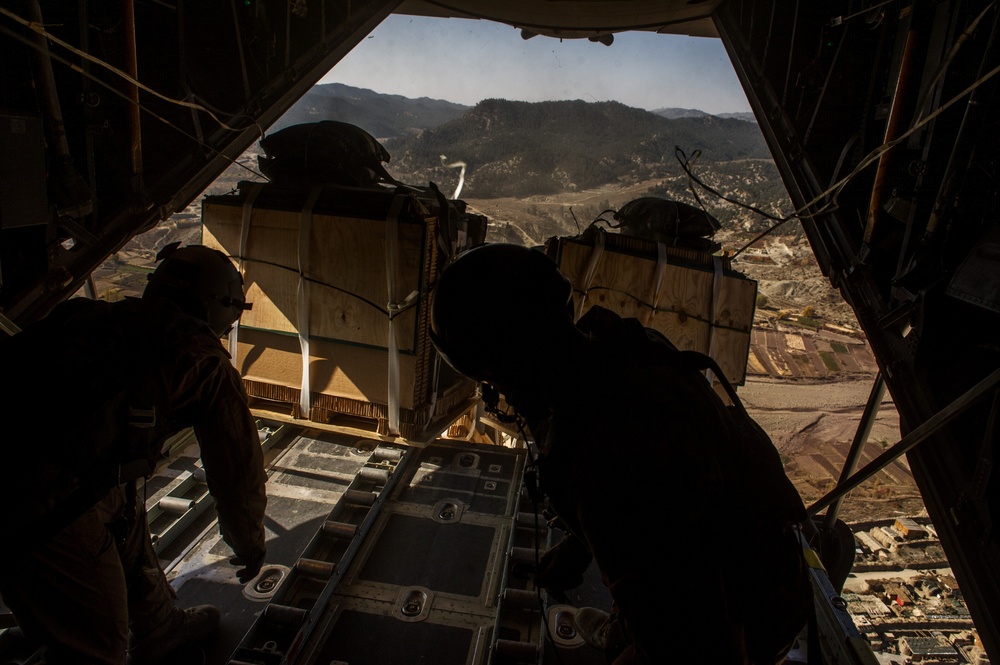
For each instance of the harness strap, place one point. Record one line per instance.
(705, 363)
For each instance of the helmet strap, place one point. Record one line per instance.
(491, 402)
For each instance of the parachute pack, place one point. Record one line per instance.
(753, 457)
(324, 153)
(670, 222)
(751, 464)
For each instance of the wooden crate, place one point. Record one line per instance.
(316, 261)
(693, 298)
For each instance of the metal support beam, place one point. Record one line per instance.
(860, 438)
(908, 442)
(8, 326)
(89, 288)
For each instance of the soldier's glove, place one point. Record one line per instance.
(250, 566)
(562, 567)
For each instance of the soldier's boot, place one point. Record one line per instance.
(186, 627)
(600, 630)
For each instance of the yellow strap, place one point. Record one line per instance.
(812, 558)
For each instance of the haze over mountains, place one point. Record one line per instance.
(382, 116)
(695, 113)
(528, 148)
(389, 116)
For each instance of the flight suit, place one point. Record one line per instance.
(689, 520)
(79, 582)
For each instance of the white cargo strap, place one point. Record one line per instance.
(657, 286)
(255, 189)
(302, 297)
(713, 314)
(588, 273)
(391, 260)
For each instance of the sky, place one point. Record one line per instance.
(465, 61)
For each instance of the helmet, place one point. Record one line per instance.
(200, 280)
(494, 307)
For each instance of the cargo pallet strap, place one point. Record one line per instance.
(394, 307)
(713, 312)
(588, 274)
(657, 286)
(302, 298)
(662, 261)
(255, 189)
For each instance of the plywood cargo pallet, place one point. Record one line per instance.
(695, 299)
(338, 278)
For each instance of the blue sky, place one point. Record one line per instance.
(465, 61)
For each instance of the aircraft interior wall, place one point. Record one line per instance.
(909, 234)
(120, 157)
(879, 120)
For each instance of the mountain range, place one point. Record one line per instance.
(520, 149)
(526, 148)
(695, 113)
(388, 116)
(383, 116)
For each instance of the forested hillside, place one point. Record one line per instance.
(523, 149)
(382, 116)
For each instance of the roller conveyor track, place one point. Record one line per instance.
(318, 483)
(380, 553)
(373, 547)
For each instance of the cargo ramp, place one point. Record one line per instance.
(386, 552)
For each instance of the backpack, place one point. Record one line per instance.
(86, 379)
(757, 488)
(751, 458)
